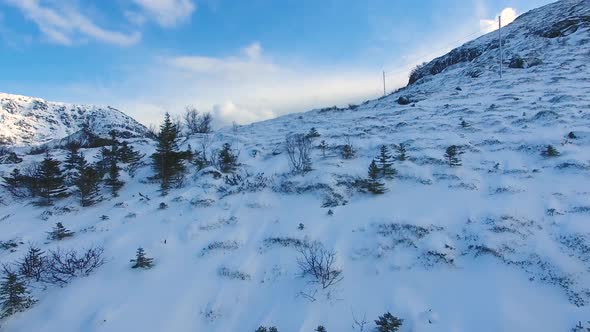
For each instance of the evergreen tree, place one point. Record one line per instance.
(385, 163)
(313, 133)
(141, 260)
(199, 160)
(131, 157)
(388, 323)
(33, 265)
(59, 232)
(323, 146)
(109, 165)
(50, 181)
(401, 152)
(14, 183)
(321, 329)
(14, 296)
(74, 156)
(550, 151)
(87, 182)
(167, 161)
(267, 329)
(374, 184)
(227, 160)
(452, 155)
(348, 151)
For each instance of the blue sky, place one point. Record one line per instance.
(242, 60)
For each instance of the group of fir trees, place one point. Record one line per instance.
(51, 180)
(380, 168)
(385, 323)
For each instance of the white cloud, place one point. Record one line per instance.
(246, 87)
(508, 16)
(66, 25)
(167, 13)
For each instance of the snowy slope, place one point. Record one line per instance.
(501, 243)
(33, 121)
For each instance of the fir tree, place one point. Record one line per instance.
(348, 151)
(385, 163)
(50, 181)
(267, 329)
(110, 159)
(141, 260)
(571, 135)
(131, 157)
(323, 146)
(401, 152)
(87, 182)
(227, 160)
(312, 133)
(14, 296)
(374, 184)
(74, 156)
(167, 161)
(452, 155)
(550, 151)
(59, 232)
(34, 264)
(388, 323)
(320, 328)
(14, 183)
(198, 160)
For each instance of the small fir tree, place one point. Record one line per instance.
(50, 181)
(348, 151)
(374, 184)
(14, 296)
(401, 152)
(59, 232)
(73, 157)
(313, 133)
(571, 135)
(388, 323)
(110, 159)
(168, 161)
(87, 182)
(321, 329)
(227, 160)
(14, 183)
(141, 260)
(267, 329)
(550, 151)
(323, 146)
(385, 163)
(133, 158)
(452, 155)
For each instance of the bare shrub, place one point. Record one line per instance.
(195, 122)
(298, 148)
(34, 265)
(65, 265)
(319, 263)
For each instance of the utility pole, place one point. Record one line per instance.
(384, 91)
(500, 35)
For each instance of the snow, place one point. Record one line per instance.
(497, 244)
(34, 121)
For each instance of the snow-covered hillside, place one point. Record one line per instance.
(500, 243)
(33, 121)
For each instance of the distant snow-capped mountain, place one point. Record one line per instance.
(32, 121)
